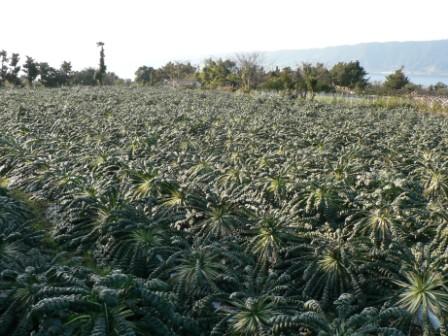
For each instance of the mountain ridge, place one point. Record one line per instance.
(417, 57)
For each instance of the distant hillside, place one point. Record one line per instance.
(418, 58)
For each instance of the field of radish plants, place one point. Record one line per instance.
(127, 211)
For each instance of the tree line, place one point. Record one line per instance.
(242, 73)
(245, 73)
(33, 72)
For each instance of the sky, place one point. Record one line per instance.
(138, 32)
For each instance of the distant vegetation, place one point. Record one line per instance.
(36, 73)
(243, 73)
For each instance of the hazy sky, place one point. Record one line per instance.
(154, 32)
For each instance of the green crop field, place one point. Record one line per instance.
(127, 211)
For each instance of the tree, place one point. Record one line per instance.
(218, 73)
(111, 78)
(176, 71)
(9, 68)
(283, 80)
(289, 80)
(66, 72)
(317, 78)
(100, 74)
(3, 66)
(49, 76)
(66, 67)
(31, 69)
(440, 89)
(300, 85)
(14, 69)
(351, 75)
(146, 75)
(249, 71)
(396, 80)
(84, 77)
(272, 80)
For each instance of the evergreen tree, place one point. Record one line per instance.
(396, 80)
(3, 66)
(31, 70)
(145, 75)
(350, 75)
(101, 72)
(14, 68)
(66, 72)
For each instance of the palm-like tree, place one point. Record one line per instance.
(425, 295)
(323, 200)
(370, 321)
(232, 176)
(21, 287)
(278, 185)
(330, 264)
(115, 304)
(143, 183)
(269, 236)
(17, 235)
(203, 170)
(90, 215)
(380, 225)
(250, 316)
(219, 218)
(197, 271)
(13, 153)
(436, 182)
(423, 289)
(135, 243)
(179, 204)
(261, 306)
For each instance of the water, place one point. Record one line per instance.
(416, 79)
